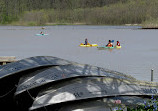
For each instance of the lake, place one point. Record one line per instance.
(138, 55)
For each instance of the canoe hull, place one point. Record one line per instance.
(104, 47)
(104, 104)
(117, 47)
(41, 34)
(11, 73)
(90, 45)
(57, 73)
(90, 88)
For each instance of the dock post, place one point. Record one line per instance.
(152, 74)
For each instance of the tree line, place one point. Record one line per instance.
(10, 10)
(40, 12)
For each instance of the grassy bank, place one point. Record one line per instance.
(132, 12)
(151, 24)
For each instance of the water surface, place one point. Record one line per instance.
(138, 55)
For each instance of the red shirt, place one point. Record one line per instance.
(118, 44)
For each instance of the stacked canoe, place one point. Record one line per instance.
(49, 83)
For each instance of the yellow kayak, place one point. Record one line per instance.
(118, 47)
(89, 45)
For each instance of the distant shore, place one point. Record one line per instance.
(150, 26)
(144, 26)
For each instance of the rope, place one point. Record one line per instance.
(30, 95)
(8, 92)
(34, 99)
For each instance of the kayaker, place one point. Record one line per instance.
(41, 33)
(86, 42)
(118, 43)
(109, 44)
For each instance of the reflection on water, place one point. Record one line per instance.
(137, 56)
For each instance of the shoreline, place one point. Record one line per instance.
(55, 24)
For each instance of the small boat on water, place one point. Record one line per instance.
(88, 45)
(41, 34)
(118, 47)
(105, 47)
(90, 88)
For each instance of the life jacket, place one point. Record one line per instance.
(110, 45)
(118, 44)
(86, 42)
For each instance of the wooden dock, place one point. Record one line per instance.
(7, 59)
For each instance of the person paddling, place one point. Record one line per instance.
(86, 42)
(118, 43)
(42, 33)
(109, 44)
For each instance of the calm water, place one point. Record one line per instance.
(138, 55)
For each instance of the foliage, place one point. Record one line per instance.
(108, 12)
(151, 23)
(150, 105)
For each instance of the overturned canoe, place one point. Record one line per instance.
(30, 63)
(39, 78)
(103, 104)
(92, 87)
(11, 73)
(32, 83)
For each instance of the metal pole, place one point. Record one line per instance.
(152, 74)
